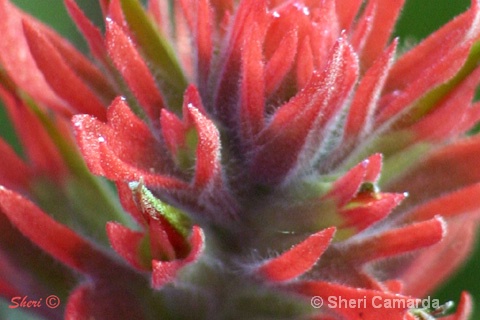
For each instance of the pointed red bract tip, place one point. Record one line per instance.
(252, 88)
(397, 241)
(45, 232)
(207, 166)
(366, 99)
(348, 186)
(18, 61)
(298, 260)
(90, 32)
(134, 70)
(384, 21)
(58, 73)
(281, 62)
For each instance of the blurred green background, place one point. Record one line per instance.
(419, 18)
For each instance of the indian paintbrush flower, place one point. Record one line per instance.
(262, 153)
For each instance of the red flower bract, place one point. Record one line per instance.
(262, 151)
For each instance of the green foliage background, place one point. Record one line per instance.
(419, 18)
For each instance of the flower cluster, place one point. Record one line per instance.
(261, 153)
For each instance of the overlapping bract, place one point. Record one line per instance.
(238, 129)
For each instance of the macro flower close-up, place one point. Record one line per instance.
(237, 159)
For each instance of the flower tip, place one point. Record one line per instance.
(299, 259)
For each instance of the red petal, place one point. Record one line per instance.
(90, 32)
(14, 173)
(374, 167)
(346, 11)
(322, 17)
(166, 271)
(46, 232)
(280, 145)
(123, 155)
(192, 96)
(43, 156)
(184, 44)
(133, 140)
(248, 13)
(385, 17)
(208, 166)
(160, 13)
(363, 28)
(285, 19)
(464, 309)
(252, 89)
(370, 209)
(134, 69)
(204, 34)
(448, 112)
(66, 83)
(188, 9)
(305, 66)
(359, 121)
(115, 13)
(438, 72)
(93, 77)
(345, 188)
(466, 200)
(173, 131)
(127, 244)
(128, 203)
(280, 62)
(111, 166)
(435, 48)
(397, 241)
(22, 265)
(445, 170)
(368, 301)
(17, 60)
(163, 238)
(299, 259)
(435, 264)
